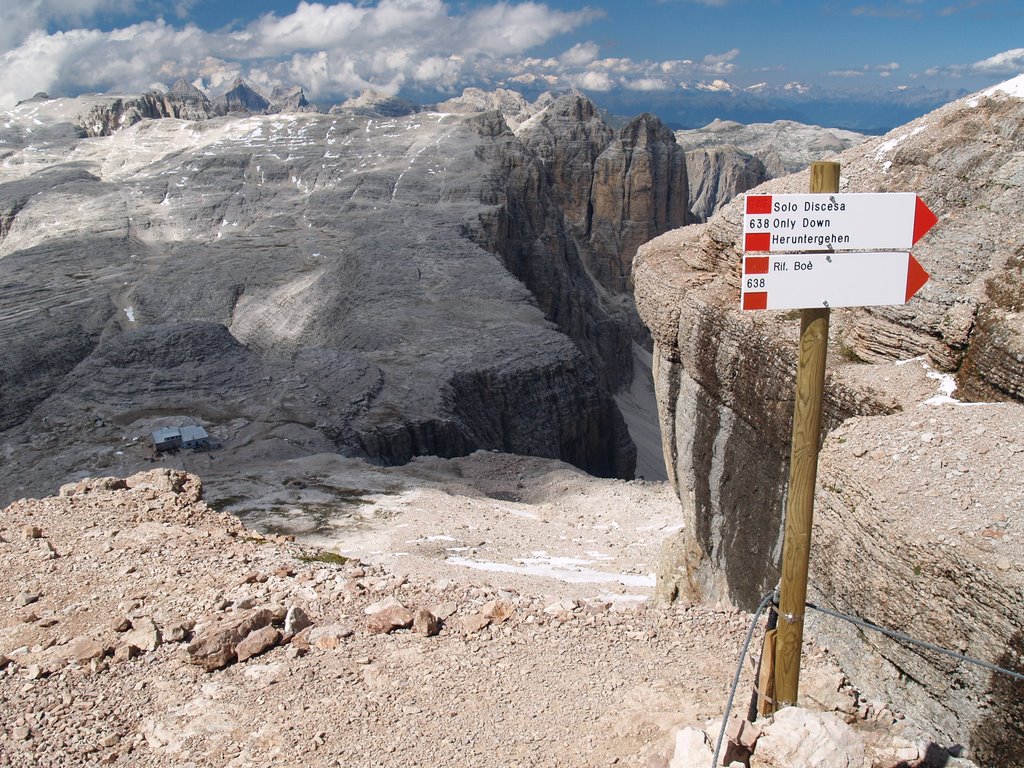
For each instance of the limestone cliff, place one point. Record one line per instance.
(783, 146)
(376, 287)
(724, 381)
(717, 175)
(640, 189)
(618, 190)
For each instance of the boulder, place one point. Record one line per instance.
(296, 620)
(144, 635)
(796, 737)
(216, 647)
(256, 642)
(326, 638)
(390, 620)
(425, 623)
(694, 749)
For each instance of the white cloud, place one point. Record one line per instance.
(883, 70)
(336, 50)
(720, 64)
(22, 18)
(1005, 63)
(331, 50)
(648, 84)
(593, 81)
(579, 55)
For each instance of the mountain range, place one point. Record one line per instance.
(684, 106)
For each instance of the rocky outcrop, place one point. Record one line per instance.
(376, 104)
(724, 381)
(717, 175)
(242, 97)
(783, 146)
(916, 530)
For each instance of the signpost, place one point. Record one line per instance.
(840, 222)
(794, 281)
(834, 250)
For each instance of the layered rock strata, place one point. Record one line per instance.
(717, 175)
(618, 189)
(379, 287)
(784, 146)
(724, 381)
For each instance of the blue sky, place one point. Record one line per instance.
(334, 49)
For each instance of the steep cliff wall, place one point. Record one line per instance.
(717, 175)
(724, 380)
(618, 190)
(640, 190)
(372, 271)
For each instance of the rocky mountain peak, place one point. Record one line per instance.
(574, 106)
(376, 104)
(242, 97)
(511, 104)
(293, 99)
(183, 88)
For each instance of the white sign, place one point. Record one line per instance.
(804, 281)
(840, 222)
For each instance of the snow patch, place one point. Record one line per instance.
(130, 312)
(1013, 87)
(565, 569)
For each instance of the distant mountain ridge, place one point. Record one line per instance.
(683, 106)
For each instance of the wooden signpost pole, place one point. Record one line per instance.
(803, 473)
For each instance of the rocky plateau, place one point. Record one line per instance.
(429, 283)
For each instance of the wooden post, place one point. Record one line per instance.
(803, 474)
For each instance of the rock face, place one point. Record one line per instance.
(640, 189)
(109, 117)
(374, 104)
(241, 98)
(382, 288)
(783, 146)
(617, 189)
(717, 175)
(724, 381)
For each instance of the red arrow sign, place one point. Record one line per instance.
(839, 222)
(799, 281)
(924, 220)
(916, 276)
